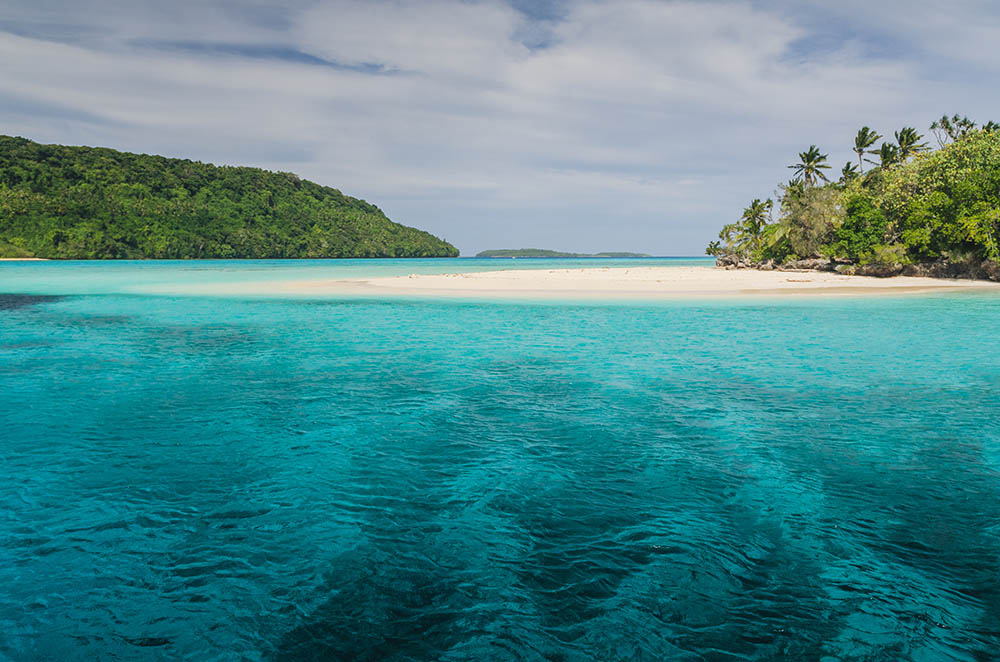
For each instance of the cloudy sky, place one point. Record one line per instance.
(585, 125)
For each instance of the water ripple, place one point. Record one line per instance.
(371, 481)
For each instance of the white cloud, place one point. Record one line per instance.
(438, 38)
(642, 124)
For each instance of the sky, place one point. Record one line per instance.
(580, 125)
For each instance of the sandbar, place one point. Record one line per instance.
(627, 283)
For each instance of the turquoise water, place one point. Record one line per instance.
(181, 277)
(206, 478)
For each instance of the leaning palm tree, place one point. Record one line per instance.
(775, 233)
(849, 172)
(909, 143)
(810, 166)
(888, 156)
(727, 235)
(865, 139)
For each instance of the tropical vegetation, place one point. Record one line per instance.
(912, 205)
(87, 203)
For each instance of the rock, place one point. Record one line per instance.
(990, 270)
(945, 268)
(916, 271)
(879, 270)
(767, 265)
(809, 264)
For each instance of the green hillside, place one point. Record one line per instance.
(96, 203)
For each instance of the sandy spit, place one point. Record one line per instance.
(632, 283)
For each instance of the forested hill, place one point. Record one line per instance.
(96, 203)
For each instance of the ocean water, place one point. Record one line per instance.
(192, 276)
(206, 478)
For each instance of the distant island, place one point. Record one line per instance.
(97, 203)
(915, 210)
(540, 252)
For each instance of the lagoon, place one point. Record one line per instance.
(350, 478)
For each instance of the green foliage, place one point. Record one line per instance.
(810, 218)
(981, 223)
(947, 200)
(888, 156)
(12, 251)
(862, 229)
(87, 203)
(849, 173)
(776, 245)
(745, 238)
(885, 254)
(915, 206)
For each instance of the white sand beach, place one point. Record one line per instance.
(628, 283)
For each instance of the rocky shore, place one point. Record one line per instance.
(943, 268)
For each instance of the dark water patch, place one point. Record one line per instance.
(102, 321)
(18, 301)
(199, 339)
(414, 613)
(31, 344)
(147, 642)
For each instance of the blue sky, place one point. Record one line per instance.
(582, 125)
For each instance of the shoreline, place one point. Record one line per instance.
(665, 283)
(603, 283)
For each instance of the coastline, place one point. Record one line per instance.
(606, 283)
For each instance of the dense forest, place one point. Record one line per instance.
(915, 210)
(96, 203)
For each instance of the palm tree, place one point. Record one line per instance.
(909, 142)
(848, 172)
(727, 234)
(753, 221)
(888, 155)
(714, 248)
(793, 189)
(990, 127)
(810, 166)
(775, 233)
(865, 139)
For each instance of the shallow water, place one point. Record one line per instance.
(195, 478)
(182, 277)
